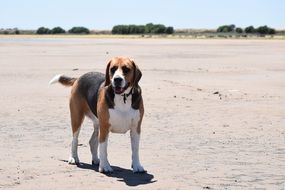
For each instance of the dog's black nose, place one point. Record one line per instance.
(118, 80)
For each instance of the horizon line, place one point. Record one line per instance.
(95, 29)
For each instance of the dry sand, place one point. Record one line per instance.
(192, 137)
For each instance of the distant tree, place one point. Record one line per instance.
(219, 29)
(250, 29)
(169, 30)
(132, 29)
(262, 30)
(115, 30)
(271, 31)
(57, 30)
(142, 29)
(79, 30)
(232, 27)
(149, 28)
(121, 29)
(158, 29)
(265, 30)
(226, 28)
(125, 29)
(239, 30)
(43, 30)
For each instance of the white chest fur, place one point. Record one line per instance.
(123, 117)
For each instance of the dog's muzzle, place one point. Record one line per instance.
(117, 85)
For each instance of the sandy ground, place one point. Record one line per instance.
(215, 114)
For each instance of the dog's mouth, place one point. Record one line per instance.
(119, 89)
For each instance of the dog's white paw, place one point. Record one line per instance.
(95, 161)
(73, 160)
(138, 168)
(105, 168)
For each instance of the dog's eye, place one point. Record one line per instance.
(125, 70)
(113, 69)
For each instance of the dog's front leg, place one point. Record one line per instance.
(104, 166)
(135, 140)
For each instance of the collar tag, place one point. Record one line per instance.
(127, 95)
(125, 98)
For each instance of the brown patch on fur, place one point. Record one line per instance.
(78, 108)
(141, 109)
(66, 81)
(107, 76)
(103, 115)
(137, 74)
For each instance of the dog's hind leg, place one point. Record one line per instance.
(93, 142)
(77, 116)
(74, 159)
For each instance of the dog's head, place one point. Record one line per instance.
(121, 73)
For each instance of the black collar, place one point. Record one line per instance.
(127, 95)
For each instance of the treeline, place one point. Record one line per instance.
(10, 31)
(150, 29)
(262, 30)
(142, 29)
(59, 30)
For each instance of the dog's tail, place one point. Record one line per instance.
(64, 80)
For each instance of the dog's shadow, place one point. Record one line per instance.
(124, 175)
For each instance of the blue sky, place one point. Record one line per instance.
(95, 14)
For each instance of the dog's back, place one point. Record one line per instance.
(88, 87)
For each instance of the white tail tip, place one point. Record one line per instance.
(55, 79)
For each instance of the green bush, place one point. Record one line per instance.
(250, 30)
(57, 30)
(262, 30)
(226, 28)
(265, 30)
(149, 28)
(79, 30)
(169, 30)
(159, 29)
(232, 27)
(239, 30)
(142, 29)
(271, 31)
(17, 31)
(43, 30)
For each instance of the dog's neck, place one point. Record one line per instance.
(133, 99)
(127, 93)
(123, 101)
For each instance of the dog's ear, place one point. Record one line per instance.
(107, 76)
(137, 73)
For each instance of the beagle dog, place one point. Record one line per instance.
(113, 102)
